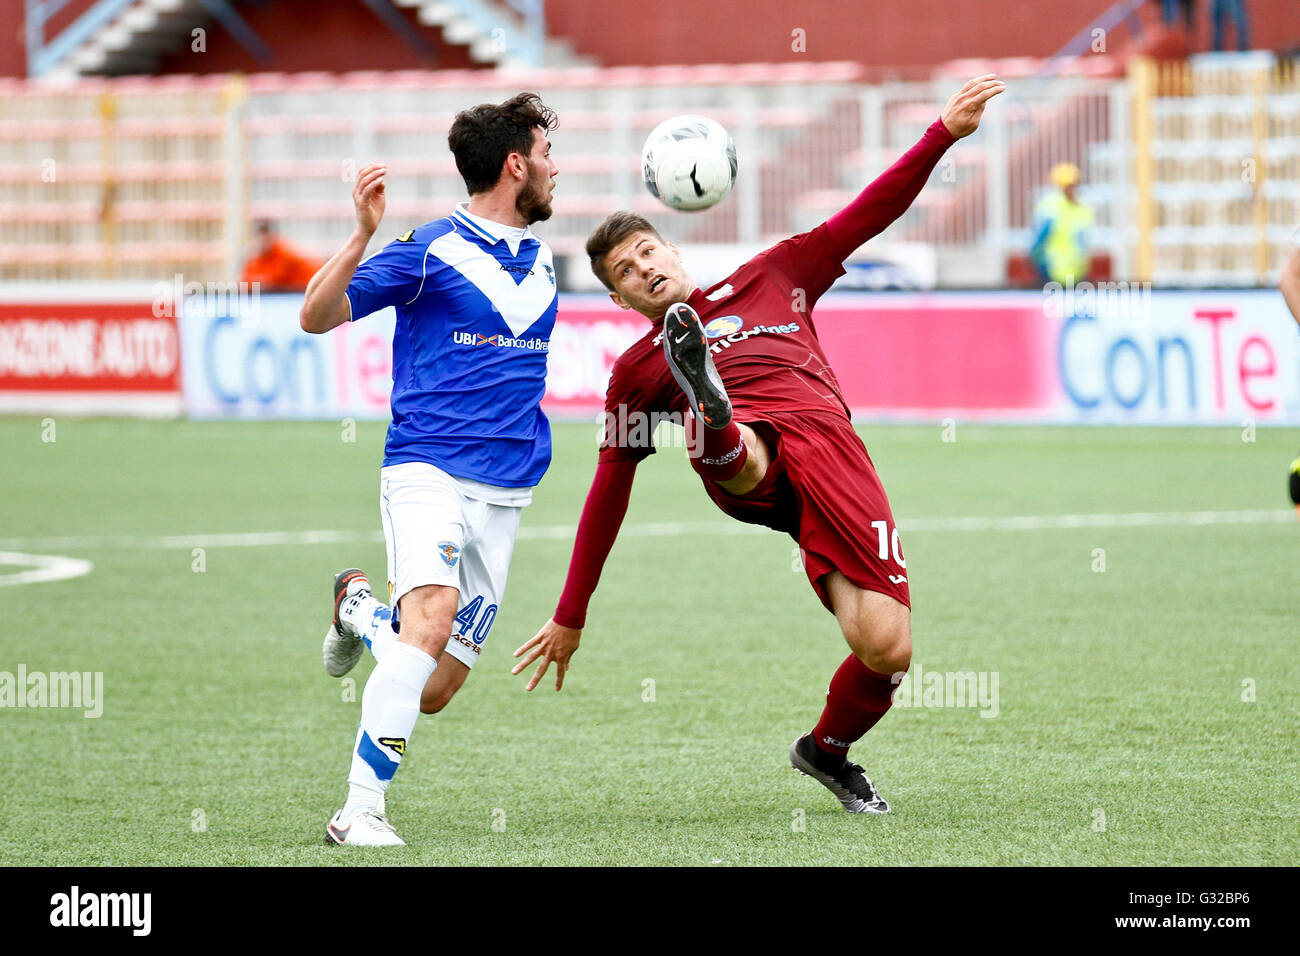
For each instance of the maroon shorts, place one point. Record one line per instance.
(823, 490)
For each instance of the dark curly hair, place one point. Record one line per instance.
(481, 137)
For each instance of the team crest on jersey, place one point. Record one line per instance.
(550, 273)
(450, 553)
(724, 325)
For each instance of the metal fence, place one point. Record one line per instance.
(1193, 172)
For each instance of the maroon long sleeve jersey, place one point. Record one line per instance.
(764, 345)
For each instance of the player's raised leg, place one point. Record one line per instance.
(878, 630)
(364, 621)
(360, 621)
(721, 450)
(686, 348)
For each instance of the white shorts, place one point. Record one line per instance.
(438, 534)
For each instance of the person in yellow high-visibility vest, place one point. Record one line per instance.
(1061, 224)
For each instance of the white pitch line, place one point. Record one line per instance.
(1134, 519)
(564, 532)
(250, 539)
(45, 567)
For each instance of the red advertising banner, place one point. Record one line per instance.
(921, 355)
(909, 356)
(87, 357)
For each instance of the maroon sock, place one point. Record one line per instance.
(858, 697)
(716, 453)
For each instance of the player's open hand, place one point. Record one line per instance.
(964, 109)
(554, 642)
(368, 196)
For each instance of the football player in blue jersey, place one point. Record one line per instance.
(475, 298)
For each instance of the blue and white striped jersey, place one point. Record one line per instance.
(475, 303)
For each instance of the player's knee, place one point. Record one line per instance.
(885, 647)
(429, 637)
(743, 481)
(427, 616)
(897, 657)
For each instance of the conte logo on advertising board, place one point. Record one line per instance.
(270, 368)
(1199, 357)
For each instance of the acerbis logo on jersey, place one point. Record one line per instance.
(500, 341)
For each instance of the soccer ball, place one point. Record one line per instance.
(689, 162)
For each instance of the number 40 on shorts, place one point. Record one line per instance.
(465, 619)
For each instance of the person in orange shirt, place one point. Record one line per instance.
(277, 266)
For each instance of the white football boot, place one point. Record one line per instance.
(363, 828)
(343, 647)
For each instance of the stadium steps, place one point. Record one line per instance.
(495, 33)
(135, 41)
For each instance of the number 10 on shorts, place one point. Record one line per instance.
(887, 541)
(465, 619)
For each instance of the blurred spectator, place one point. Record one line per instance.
(276, 264)
(1220, 10)
(1188, 8)
(1061, 224)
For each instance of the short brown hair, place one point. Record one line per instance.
(483, 136)
(616, 227)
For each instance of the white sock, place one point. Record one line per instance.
(390, 705)
(371, 620)
(362, 798)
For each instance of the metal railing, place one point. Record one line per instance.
(1193, 172)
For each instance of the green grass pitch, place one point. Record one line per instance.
(1126, 732)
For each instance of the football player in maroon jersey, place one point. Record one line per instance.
(770, 435)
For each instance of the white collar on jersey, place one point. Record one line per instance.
(494, 232)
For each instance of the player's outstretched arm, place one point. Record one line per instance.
(1289, 284)
(892, 192)
(325, 306)
(602, 516)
